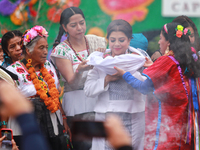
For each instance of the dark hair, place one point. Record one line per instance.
(187, 22)
(64, 19)
(6, 37)
(182, 50)
(120, 25)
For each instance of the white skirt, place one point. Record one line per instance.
(135, 125)
(76, 102)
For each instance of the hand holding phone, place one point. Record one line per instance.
(7, 140)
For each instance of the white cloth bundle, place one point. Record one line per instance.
(127, 62)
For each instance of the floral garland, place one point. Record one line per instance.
(180, 31)
(51, 102)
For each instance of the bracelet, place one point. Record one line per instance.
(64, 117)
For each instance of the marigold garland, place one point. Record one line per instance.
(52, 102)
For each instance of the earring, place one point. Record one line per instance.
(66, 35)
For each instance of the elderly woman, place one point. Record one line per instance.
(11, 47)
(38, 82)
(114, 94)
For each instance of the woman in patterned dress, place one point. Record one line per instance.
(38, 81)
(70, 59)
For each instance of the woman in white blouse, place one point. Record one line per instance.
(114, 94)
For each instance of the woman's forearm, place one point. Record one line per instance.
(65, 67)
(143, 87)
(75, 80)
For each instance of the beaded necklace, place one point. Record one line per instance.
(76, 53)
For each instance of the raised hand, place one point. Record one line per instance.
(148, 62)
(101, 50)
(83, 66)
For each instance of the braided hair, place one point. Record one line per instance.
(187, 22)
(64, 20)
(181, 47)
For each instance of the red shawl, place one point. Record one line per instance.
(170, 107)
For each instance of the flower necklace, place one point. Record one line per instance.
(51, 97)
(76, 53)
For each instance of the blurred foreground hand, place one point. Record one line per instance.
(13, 103)
(117, 135)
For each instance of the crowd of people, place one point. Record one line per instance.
(156, 100)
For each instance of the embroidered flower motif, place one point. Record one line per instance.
(106, 54)
(20, 70)
(51, 73)
(28, 77)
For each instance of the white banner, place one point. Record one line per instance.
(173, 8)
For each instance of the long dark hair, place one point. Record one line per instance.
(182, 50)
(187, 22)
(120, 25)
(64, 20)
(6, 37)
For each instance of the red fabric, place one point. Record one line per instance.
(174, 105)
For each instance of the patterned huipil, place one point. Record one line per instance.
(27, 88)
(74, 100)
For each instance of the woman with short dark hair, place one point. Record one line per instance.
(114, 94)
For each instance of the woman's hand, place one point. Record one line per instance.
(114, 77)
(14, 146)
(120, 72)
(67, 129)
(148, 62)
(110, 78)
(101, 50)
(117, 135)
(14, 103)
(83, 66)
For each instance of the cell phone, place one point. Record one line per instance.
(7, 141)
(82, 130)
